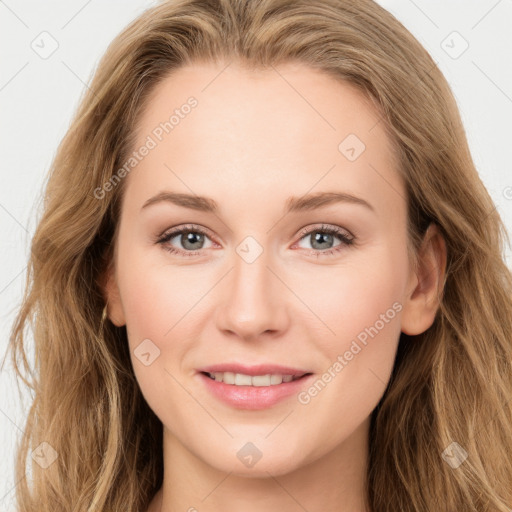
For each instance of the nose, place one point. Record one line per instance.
(254, 301)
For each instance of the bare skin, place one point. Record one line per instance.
(250, 144)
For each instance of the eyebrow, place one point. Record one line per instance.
(293, 204)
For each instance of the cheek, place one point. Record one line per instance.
(151, 306)
(154, 295)
(361, 308)
(147, 305)
(163, 306)
(156, 318)
(350, 298)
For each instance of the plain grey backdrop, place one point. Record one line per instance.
(49, 51)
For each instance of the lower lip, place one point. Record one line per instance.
(254, 397)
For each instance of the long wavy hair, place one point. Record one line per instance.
(453, 383)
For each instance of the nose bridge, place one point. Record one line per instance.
(250, 274)
(252, 303)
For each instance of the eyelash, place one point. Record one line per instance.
(347, 240)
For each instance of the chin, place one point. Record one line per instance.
(250, 462)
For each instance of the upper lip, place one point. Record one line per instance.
(260, 369)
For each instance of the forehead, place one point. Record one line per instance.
(225, 127)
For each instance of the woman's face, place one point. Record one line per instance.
(293, 261)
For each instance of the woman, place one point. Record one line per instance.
(192, 353)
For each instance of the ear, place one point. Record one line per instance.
(425, 286)
(112, 296)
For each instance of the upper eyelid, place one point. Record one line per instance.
(188, 227)
(325, 227)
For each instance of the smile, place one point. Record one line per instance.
(255, 388)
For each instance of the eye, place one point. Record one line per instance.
(192, 239)
(322, 238)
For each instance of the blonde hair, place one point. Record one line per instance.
(453, 383)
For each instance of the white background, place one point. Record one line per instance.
(38, 97)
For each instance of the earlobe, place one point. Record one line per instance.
(115, 311)
(425, 286)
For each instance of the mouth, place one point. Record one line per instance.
(255, 387)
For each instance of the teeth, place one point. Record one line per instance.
(239, 379)
(243, 380)
(276, 379)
